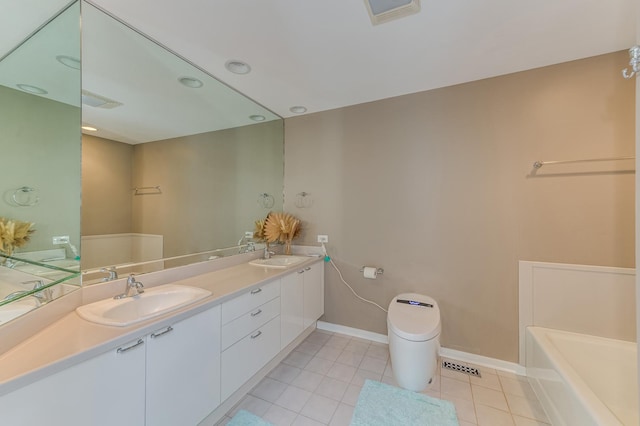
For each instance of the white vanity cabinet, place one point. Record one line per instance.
(250, 335)
(183, 370)
(108, 389)
(302, 300)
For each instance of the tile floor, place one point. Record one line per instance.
(319, 383)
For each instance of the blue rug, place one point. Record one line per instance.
(382, 405)
(245, 418)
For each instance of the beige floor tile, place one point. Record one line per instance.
(293, 398)
(307, 380)
(269, 389)
(350, 358)
(309, 348)
(361, 375)
(342, 416)
(329, 352)
(464, 409)
(284, 373)
(388, 371)
(511, 375)
(341, 372)
(489, 416)
(320, 408)
(279, 416)
(523, 421)
(332, 388)
(351, 395)
(319, 365)
(305, 421)
(357, 347)
(338, 341)
(390, 381)
(525, 407)
(297, 359)
(318, 338)
(380, 352)
(517, 387)
(377, 365)
(453, 388)
(251, 404)
(490, 397)
(487, 380)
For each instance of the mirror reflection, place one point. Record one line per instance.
(40, 141)
(179, 165)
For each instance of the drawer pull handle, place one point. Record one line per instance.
(128, 348)
(255, 336)
(256, 313)
(165, 331)
(301, 271)
(308, 268)
(256, 291)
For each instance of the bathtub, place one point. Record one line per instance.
(581, 379)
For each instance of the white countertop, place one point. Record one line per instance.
(72, 339)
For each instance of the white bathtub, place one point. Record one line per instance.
(583, 380)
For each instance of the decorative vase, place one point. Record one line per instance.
(287, 247)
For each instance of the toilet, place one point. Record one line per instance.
(413, 323)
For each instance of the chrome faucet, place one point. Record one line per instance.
(134, 288)
(113, 273)
(43, 296)
(267, 253)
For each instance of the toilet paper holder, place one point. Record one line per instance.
(379, 271)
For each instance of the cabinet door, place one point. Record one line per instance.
(291, 307)
(183, 370)
(105, 390)
(313, 293)
(243, 359)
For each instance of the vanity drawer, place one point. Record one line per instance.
(242, 326)
(242, 360)
(249, 301)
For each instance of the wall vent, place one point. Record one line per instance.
(381, 11)
(461, 368)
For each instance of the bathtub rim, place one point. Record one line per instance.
(581, 391)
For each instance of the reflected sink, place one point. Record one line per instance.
(130, 310)
(279, 261)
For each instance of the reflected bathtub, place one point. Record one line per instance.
(583, 380)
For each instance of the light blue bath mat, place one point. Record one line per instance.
(245, 418)
(383, 405)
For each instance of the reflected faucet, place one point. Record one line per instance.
(43, 296)
(134, 288)
(113, 273)
(267, 253)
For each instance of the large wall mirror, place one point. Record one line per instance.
(176, 166)
(172, 166)
(40, 116)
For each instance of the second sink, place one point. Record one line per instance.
(279, 261)
(130, 310)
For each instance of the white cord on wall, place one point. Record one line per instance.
(324, 249)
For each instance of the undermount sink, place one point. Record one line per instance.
(130, 310)
(279, 261)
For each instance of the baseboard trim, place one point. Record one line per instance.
(483, 361)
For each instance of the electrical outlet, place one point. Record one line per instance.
(248, 234)
(63, 239)
(323, 238)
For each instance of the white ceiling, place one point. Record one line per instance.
(327, 54)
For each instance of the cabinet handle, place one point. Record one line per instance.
(256, 313)
(128, 348)
(255, 336)
(165, 331)
(256, 291)
(301, 271)
(308, 268)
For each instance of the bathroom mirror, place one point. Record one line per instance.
(179, 165)
(40, 116)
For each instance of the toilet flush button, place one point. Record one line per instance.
(414, 303)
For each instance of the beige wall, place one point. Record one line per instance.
(106, 186)
(40, 148)
(437, 188)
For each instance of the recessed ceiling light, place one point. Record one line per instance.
(89, 128)
(192, 82)
(257, 117)
(97, 101)
(381, 11)
(298, 109)
(31, 89)
(238, 67)
(69, 61)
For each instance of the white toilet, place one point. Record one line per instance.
(414, 328)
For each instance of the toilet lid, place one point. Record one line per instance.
(411, 319)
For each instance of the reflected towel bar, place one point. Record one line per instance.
(147, 190)
(539, 164)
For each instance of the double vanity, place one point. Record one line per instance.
(182, 352)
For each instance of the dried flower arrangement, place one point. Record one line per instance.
(14, 233)
(278, 227)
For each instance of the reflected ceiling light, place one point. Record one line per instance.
(381, 11)
(298, 109)
(89, 128)
(257, 117)
(238, 67)
(31, 89)
(69, 61)
(97, 101)
(191, 82)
